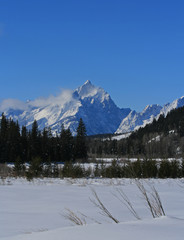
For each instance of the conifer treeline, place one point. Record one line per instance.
(164, 138)
(22, 145)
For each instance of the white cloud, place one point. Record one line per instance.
(13, 104)
(64, 97)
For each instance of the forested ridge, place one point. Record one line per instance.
(163, 138)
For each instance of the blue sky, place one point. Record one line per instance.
(133, 49)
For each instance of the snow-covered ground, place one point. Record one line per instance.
(118, 137)
(35, 210)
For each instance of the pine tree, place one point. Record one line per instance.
(3, 139)
(35, 140)
(45, 145)
(80, 142)
(36, 167)
(13, 140)
(24, 144)
(66, 144)
(19, 167)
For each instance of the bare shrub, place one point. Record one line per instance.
(5, 171)
(149, 194)
(78, 218)
(74, 218)
(123, 198)
(99, 204)
(152, 199)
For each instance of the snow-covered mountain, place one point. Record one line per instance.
(170, 106)
(91, 103)
(136, 120)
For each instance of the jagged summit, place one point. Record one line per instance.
(87, 82)
(136, 120)
(150, 107)
(100, 114)
(89, 91)
(86, 90)
(93, 104)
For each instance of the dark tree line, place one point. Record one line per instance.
(164, 138)
(23, 145)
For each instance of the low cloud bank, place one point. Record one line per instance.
(15, 104)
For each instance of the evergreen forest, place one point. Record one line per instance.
(163, 139)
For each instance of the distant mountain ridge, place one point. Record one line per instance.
(135, 120)
(95, 106)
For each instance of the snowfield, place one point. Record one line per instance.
(37, 210)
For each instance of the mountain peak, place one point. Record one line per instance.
(86, 90)
(88, 82)
(151, 108)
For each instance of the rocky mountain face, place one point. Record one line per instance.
(91, 103)
(136, 120)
